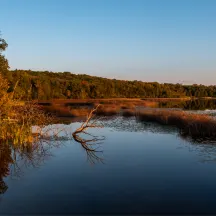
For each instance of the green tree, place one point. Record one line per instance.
(3, 61)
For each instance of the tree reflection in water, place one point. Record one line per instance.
(5, 161)
(204, 148)
(14, 159)
(91, 147)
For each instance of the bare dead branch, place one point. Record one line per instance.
(89, 145)
(87, 123)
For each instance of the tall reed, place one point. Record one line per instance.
(194, 125)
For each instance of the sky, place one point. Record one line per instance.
(148, 40)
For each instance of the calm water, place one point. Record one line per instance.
(144, 168)
(196, 104)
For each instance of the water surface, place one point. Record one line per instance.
(144, 168)
(195, 104)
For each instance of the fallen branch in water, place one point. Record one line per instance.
(87, 123)
(89, 144)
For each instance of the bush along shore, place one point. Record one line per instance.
(17, 119)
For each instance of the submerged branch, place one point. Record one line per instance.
(88, 144)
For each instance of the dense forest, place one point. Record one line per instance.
(46, 85)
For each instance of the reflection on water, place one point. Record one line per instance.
(198, 104)
(148, 168)
(92, 147)
(5, 161)
(206, 148)
(131, 125)
(13, 160)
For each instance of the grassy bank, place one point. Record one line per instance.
(17, 118)
(76, 108)
(194, 125)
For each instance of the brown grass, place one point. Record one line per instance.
(150, 104)
(127, 106)
(108, 110)
(65, 111)
(109, 107)
(79, 111)
(117, 101)
(194, 125)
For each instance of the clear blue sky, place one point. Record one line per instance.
(149, 40)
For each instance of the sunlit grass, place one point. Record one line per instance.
(17, 118)
(194, 125)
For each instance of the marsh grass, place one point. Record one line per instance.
(108, 110)
(194, 125)
(109, 107)
(58, 110)
(65, 110)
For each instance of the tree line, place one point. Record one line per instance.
(52, 85)
(45, 85)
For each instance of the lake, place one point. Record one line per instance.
(195, 104)
(139, 168)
